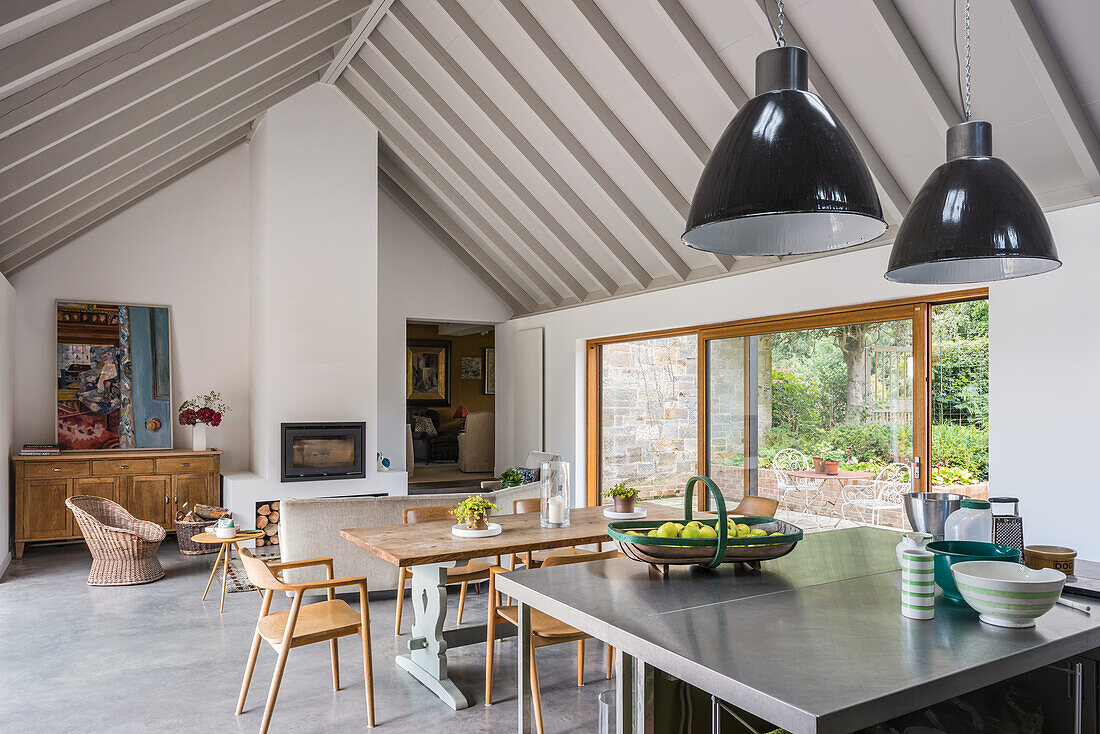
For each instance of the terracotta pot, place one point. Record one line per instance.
(480, 524)
(831, 467)
(625, 504)
(818, 465)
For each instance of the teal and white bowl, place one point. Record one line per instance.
(1008, 594)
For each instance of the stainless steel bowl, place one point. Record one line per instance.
(927, 511)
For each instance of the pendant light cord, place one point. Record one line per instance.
(778, 32)
(964, 98)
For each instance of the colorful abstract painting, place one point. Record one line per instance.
(113, 377)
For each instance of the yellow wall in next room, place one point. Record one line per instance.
(470, 393)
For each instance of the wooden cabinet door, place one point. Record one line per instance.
(147, 498)
(97, 486)
(45, 515)
(193, 489)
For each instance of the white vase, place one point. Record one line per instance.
(198, 437)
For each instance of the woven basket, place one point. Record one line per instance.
(124, 549)
(185, 530)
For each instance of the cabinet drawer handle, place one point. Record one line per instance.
(186, 463)
(57, 468)
(165, 499)
(123, 466)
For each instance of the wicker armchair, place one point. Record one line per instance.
(124, 549)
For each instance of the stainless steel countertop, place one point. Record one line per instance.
(814, 643)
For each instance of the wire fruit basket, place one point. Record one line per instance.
(662, 552)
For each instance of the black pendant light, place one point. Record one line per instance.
(974, 220)
(786, 178)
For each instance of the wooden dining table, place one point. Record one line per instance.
(429, 549)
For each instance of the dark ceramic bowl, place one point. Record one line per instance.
(950, 552)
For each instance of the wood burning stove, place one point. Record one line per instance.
(316, 451)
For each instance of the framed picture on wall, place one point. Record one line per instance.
(428, 372)
(490, 371)
(470, 368)
(114, 377)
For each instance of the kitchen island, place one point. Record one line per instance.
(815, 642)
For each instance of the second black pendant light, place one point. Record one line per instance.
(785, 178)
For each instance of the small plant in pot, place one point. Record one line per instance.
(624, 497)
(831, 459)
(510, 478)
(819, 451)
(473, 512)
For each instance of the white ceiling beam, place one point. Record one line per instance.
(21, 19)
(76, 160)
(451, 329)
(359, 35)
(68, 87)
(1056, 87)
(247, 44)
(536, 287)
(408, 203)
(657, 96)
(120, 108)
(469, 250)
(653, 91)
(190, 136)
(596, 105)
(637, 273)
(896, 201)
(11, 262)
(893, 31)
(700, 46)
(59, 47)
(490, 159)
(413, 121)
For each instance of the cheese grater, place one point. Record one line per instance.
(1008, 529)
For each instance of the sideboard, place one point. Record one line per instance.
(151, 485)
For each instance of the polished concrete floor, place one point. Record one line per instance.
(75, 658)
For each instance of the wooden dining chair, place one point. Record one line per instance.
(472, 571)
(536, 559)
(753, 505)
(305, 624)
(545, 631)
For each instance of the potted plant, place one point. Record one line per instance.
(830, 461)
(819, 451)
(510, 478)
(199, 412)
(474, 511)
(624, 497)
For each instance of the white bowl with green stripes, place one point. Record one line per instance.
(1008, 594)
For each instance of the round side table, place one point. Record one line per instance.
(227, 546)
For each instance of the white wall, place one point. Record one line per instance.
(1044, 390)
(185, 246)
(418, 279)
(7, 411)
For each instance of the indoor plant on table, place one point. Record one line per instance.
(624, 497)
(199, 412)
(510, 478)
(473, 512)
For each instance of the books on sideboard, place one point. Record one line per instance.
(40, 449)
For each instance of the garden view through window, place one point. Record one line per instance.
(778, 404)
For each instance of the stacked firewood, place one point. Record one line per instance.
(200, 513)
(267, 519)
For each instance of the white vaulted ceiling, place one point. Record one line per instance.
(554, 145)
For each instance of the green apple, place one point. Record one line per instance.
(758, 533)
(696, 523)
(777, 533)
(743, 530)
(691, 531)
(669, 530)
(679, 527)
(652, 533)
(707, 532)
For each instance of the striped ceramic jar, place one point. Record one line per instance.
(918, 588)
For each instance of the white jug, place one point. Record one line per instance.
(912, 541)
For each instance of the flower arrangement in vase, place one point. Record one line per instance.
(473, 512)
(623, 496)
(199, 412)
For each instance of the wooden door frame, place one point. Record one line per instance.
(917, 309)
